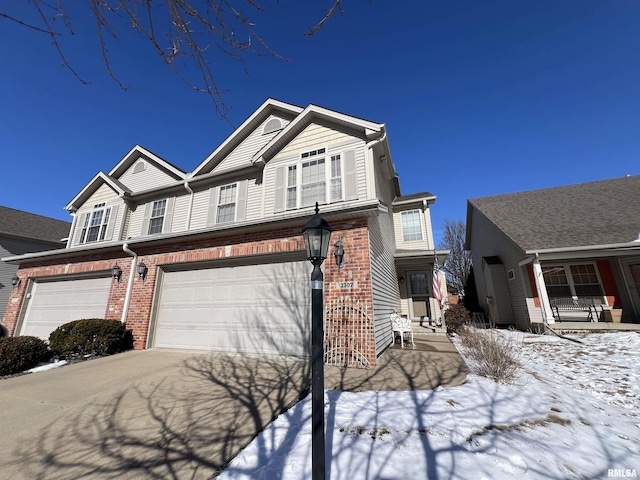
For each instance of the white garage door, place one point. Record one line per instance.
(262, 308)
(55, 303)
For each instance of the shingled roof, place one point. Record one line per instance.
(596, 213)
(16, 223)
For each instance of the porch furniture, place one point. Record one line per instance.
(401, 325)
(570, 306)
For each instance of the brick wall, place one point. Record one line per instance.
(354, 280)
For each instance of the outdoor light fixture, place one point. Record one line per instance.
(317, 234)
(339, 253)
(401, 280)
(15, 281)
(116, 273)
(142, 270)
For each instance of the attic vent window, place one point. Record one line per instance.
(272, 125)
(140, 167)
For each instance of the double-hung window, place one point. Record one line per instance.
(95, 224)
(157, 216)
(227, 203)
(336, 178)
(411, 226)
(314, 186)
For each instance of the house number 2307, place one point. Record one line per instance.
(346, 285)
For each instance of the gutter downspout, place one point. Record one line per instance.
(367, 147)
(132, 276)
(190, 208)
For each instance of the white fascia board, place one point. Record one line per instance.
(314, 111)
(268, 104)
(100, 177)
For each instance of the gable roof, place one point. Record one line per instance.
(243, 131)
(100, 179)
(135, 153)
(17, 223)
(371, 129)
(605, 212)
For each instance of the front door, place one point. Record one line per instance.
(631, 270)
(419, 294)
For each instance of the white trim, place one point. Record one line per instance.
(143, 151)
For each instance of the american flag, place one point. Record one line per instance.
(437, 284)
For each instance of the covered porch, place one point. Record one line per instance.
(419, 300)
(585, 288)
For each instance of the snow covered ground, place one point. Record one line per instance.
(573, 413)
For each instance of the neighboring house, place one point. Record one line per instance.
(570, 248)
(23, 232)
(214, 259)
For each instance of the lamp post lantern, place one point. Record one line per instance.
(317, 234)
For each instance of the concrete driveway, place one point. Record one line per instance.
(141, 414)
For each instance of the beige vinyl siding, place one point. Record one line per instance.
(103, 194)
(255, 204)
(242, 155)
(151, 177)
(384, 285)
(180, 210)
(427, 234)
(135, 223)
(486, 241)
(200, 209)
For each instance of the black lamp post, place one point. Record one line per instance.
(317, 234)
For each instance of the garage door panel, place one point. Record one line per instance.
(251, 308)
(55, 303)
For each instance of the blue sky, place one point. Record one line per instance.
(479, 97)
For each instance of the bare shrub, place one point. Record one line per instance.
(456, 317)
(491, 354)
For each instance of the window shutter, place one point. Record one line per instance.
(147, 218)
(213, 206)
(241, 201)
(79, 227)
(112, 222)
(280, 189)
(350, 175)
(168, 215)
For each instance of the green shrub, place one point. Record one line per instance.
(21, 353)
(456, 317)
(92, 336)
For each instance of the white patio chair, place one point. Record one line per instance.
(401, 326)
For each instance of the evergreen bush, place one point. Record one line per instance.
(21, 353)
(90, 337)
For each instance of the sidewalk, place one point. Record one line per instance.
(434, 362)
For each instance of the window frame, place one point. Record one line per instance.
(153, 225)
(420, 223)
(297, 189)
(220, 204)
(571, 281)
(100, 228)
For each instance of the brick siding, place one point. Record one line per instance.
(353, 233)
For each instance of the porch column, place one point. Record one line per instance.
(545, 306)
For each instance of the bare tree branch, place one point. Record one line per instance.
(330, 13)
(176, 29)
(458, 264)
